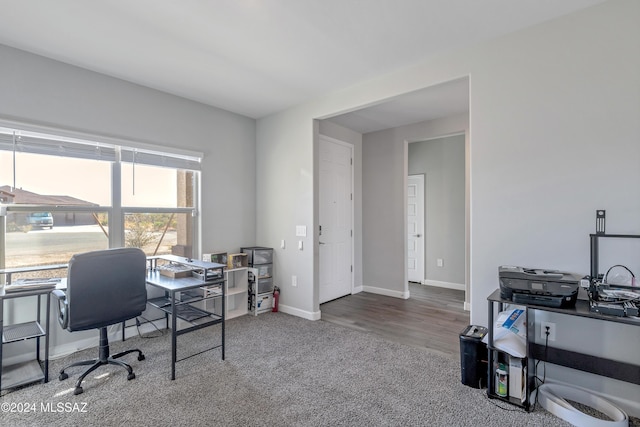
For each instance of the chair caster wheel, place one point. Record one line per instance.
(141, 357)
(78, 390)
(63, 376)
(131, 376)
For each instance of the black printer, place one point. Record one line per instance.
(549, 288)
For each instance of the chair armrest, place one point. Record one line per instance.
(59, 294)
(63, 308)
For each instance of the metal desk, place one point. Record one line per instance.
(623, 371)
(177, 302)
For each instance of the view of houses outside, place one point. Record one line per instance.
(45, 237)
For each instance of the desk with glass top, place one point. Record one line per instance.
(180, 294)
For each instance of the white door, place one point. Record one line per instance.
(415, 228)
(335, 216)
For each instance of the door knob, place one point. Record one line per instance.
(321, 243)
(417, 235)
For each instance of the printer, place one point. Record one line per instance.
(549, 288)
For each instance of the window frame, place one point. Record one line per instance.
(116, 212)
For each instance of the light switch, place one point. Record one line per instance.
(282, 244)
(300, 246)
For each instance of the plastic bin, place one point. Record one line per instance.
(473, 356)
(258, 255)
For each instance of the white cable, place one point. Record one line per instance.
(553, 397)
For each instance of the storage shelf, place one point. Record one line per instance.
(22, 331)
(21, 373)
(185, 312)
(236, 313)
(37, 369)
(190, 313)
(494, 357)
(236, 291)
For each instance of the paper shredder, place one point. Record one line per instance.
(473, 356)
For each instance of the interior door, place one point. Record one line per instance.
(336, 217)
(415, 228)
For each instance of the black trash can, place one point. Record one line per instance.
(473, 356)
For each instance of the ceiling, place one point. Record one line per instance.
(434, 102)
(258, 57)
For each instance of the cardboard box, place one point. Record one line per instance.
(217, 257)
(237, 261)
(175, 271)
(517, 378)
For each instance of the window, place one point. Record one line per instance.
(61, 195)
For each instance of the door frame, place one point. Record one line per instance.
(351, 148)
(467, 207)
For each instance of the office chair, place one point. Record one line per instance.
(104, 288)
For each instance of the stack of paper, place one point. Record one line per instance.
(31, 285)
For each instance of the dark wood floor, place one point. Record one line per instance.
(432, 317)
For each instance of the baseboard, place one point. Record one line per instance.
(358, 289)
(467, 306)
(71, 347)
(449, 285)
(114, 333)
(386, 292)
(309, 315)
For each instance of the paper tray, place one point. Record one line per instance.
(190, 313)
(160, 302)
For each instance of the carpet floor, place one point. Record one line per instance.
(279, 370)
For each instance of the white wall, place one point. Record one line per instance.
(553, 136)
(40, 91)
(285, 199)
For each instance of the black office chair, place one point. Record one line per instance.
(103, 288)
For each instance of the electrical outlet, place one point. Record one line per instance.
(440, 262)
(294, 281)
(552, 330)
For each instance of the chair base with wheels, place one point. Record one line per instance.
(103, 359)
(104, 287)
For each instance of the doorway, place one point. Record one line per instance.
(441, 161)
(386, 128)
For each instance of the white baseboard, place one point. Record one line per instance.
(309, 315)
(66, 349)
(449, 285)
(386, 292)
(114, 334)
(467, 306)
(358, 289)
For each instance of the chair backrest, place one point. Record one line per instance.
(105, 287)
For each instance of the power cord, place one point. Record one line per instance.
(544, 377)
(152, 324)
(495, 403)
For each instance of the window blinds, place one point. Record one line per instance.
(27, 142)
(36, 143)
(146, 157)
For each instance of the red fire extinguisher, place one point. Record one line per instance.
(276, 297)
